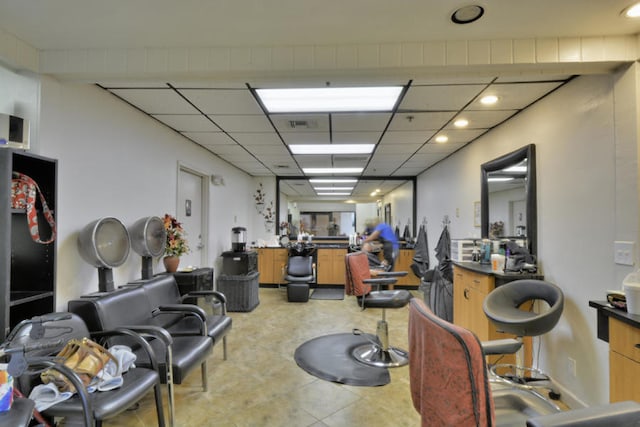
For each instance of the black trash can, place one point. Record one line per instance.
(241, 291)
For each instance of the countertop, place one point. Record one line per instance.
(499, 275)
(605, 311)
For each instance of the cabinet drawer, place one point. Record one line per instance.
(624, 339)
(623, 375)
(481, 282)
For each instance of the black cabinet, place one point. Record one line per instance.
(27, 268)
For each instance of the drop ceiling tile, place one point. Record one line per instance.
(356, 137)
(409, 171)
(439, 97)
(314, 161)
(305, 137)
(242, 123)
(187, 122)
(406, 137)
(342, 122)
(300, 123)
(405, 149)
(156, 101)
(267, 149)
(210, 138)
(532, 78)
(228, 149)
(483, 119)
(433, 148)
(420, 121)
(256, 138)
(514, 96)
(237, 157)
(379, 170)
(223, 101)
(460, 135)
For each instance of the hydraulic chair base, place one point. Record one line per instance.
(376, 356)
(379, 353)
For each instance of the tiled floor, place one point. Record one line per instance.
(261, 385)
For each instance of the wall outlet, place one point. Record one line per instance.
(571, 367)
(624, 253)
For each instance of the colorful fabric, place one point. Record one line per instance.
(23, 196)
(447, 372)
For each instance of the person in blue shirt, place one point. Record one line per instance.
(384, 234)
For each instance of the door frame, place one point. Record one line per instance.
(204, 214)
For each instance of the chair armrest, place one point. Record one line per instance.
(186, 310)
(502, 346)
(151, 331)
(206, 294)
(144, 344)
(614, 414)
(392, 274)
(382, 281)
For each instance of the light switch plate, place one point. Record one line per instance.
(624, 253)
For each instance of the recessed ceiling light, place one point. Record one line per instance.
(467, 14)
(460, 123)
(329, 99)
(489, 100)
(441, 139)
(632, 11)
(331, 148)
(311, 171)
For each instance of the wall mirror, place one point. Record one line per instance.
(508, 197)
(399, 192)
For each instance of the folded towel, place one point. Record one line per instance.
(110, 377)
(47, 395)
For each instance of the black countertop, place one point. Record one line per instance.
(605, 310)
(500, 276)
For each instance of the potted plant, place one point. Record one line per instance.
(176, 245)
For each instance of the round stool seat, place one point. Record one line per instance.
(502, 304)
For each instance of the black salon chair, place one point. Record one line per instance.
(299, 274)
(359, 283)
(44, 336)
(504, 307)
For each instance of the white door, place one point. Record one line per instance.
(192, 213)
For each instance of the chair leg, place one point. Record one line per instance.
(159, 409)
(224, 347)
(205, 379)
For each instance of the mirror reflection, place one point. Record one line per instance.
(508, 197)
(301, 205)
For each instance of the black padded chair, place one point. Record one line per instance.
(43, 337)
(299, 274)
(359, 283)
(503, 307)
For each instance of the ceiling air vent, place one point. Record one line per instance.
(303, 124)
(281, 166)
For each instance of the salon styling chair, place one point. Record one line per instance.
(300, 271)
(506, 307)
(450, 384)
(360, 284)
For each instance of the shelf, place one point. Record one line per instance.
(23, 297)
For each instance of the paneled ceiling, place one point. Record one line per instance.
(224, 117)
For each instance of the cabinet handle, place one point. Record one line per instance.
(466, 293)
(476, 281)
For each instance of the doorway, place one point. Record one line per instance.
(192, 211)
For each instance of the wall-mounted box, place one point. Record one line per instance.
(14, 132)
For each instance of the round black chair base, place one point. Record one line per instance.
(375, 356)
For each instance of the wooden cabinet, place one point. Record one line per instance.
(330, 267)
(403, 263)
(469, 291)
(624, 361)
(27, 268)
(271, 263)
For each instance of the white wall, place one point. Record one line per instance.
(401, 200)
(115, 161)
(586, 137)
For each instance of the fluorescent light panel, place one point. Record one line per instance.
(312, 171)
(499, 179)
(333, 194)
(330, 99)
(333, 188)
(333, 180)
(331, 148)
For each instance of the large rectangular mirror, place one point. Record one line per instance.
(508, 197)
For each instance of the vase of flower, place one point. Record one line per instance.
(171, 263)
(176, 244)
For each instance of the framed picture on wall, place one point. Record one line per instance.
(387, 213)
(476, 214)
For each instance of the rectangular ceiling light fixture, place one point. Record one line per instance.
(333, 180)
(333, 194)
(329, 99)
(331, 148)
(311, 171)
(333, 188)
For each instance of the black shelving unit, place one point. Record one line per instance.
(27, 268)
